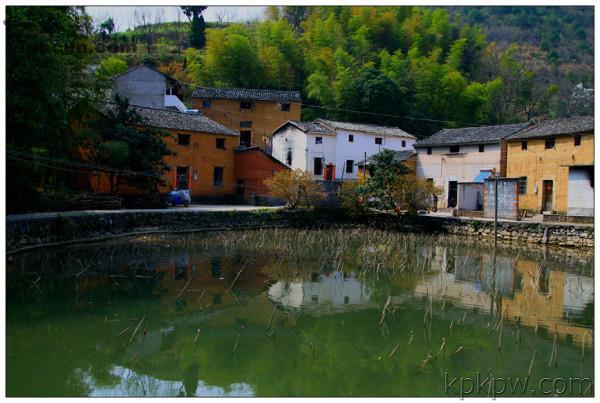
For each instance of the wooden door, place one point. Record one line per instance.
(547, 195)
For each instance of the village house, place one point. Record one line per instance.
(330, 150)
(554, 163)
(253, 113)
(143, 85)
(252, 166)
(204, 162)
(464, 156)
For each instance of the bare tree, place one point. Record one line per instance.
(223, 15)
(147, 22)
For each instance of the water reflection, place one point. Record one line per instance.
(324, 292)
(126, 382)
(220, 322)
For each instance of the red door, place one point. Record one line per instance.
(329, 174)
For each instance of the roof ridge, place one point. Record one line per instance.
(244, 88)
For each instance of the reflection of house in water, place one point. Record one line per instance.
(336, 289)
(536, 297)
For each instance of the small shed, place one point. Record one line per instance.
(508, 199)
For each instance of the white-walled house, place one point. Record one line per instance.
(463, 155)
(330, 150)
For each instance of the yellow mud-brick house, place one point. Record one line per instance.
(553, 160)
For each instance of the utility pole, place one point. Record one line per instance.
(495, 209)
(365, 168)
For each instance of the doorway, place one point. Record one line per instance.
(547, 195)
(182, 181)
(245, 138)
(452, 193)
(329, 172)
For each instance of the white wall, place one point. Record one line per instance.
(580, 193)
(294, 139)
(363, 143)
(464, 166)
(325, 150)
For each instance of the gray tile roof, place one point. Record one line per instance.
(175, 120)
(555, 127)
(365, 127)
(470, 135)
(148, 66)
(306, 127)
(402, 155)
(247, 94)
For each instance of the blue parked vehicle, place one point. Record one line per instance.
(178, 197)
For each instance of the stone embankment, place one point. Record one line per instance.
(27, 231)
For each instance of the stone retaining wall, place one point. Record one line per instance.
(37, 230)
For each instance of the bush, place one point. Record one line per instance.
(295, 187)
(351, 197)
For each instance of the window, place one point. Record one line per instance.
(351, 138)
(429, 181)
(522, 185)
(481, 148)
(183, 139)
(549, 144)
(429, 151)
(288, 158)
(349, 166)
(378, 140)
(246, 104)
(454, 149)
(318, 140)
(577, 141)
(245, 138)
(285, 107)
(523, 145)
(245, 124)
(220, 143)
(218, 176)
(206, 103)
(403, 143)
(318, 166)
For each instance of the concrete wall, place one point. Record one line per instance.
(443, 167)
(538, 164)
(143, 87)
(581, 192)
(266, 116)
(507, 199)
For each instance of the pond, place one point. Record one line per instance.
(299, 313)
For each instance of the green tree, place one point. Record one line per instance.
(119, 139)
(380, 189)
(47, 88)
(198, 26)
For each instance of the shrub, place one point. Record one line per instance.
(295, 187)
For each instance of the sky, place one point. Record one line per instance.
(124, 16)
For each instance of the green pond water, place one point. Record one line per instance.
(298, 313)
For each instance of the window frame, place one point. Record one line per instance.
(549, 144)
(245, 124)
(219, 140)
(403, 143)
(429, 150)
(481, 148)
(318, 140)
(182, 136)
(207, 104)
(351, 138)
(349, 164)
(242, 103)
(522, 185)
(577, 140)
(524, 145)
(286, 107)
(379, 141)
(454, 149)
